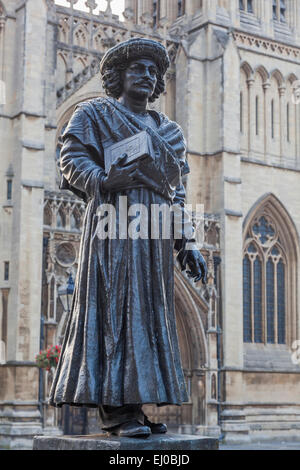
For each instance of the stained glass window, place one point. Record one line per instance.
(181, 7)
(282, 10)
(270, 301)
(264, 285)
(246, 5)
(257, 301)
(60, 220)
(6, 270)
(156, 8)
(9, 190)
(263, 230)
(281, 302)
(247, 300)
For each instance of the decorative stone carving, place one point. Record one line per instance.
(66, 254)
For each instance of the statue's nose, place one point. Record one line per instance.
(147, 73)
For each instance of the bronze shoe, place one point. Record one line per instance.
(131, 429)
(156, 428)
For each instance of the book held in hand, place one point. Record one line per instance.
(139, 146)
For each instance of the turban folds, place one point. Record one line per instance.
(136, 48)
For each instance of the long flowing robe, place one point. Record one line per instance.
(120, 345)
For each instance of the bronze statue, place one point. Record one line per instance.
(121, 349)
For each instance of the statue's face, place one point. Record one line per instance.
(140, 78)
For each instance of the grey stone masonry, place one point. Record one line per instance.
(106, 442)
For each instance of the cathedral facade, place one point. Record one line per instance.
(234, 87)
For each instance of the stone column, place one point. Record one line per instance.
(170, 10)
(234, 10)
(293, 17)
(297, 22)
(28, 165)
(231, 237)
(251, 115)
(130, 4)
(267, 17)
(192, 6)
(2, 45)
(232, 231)
(50, 100)
(297, 126)
(145, 6)
(267, 126)
(19, 378)
(210, 9)
(282, 95)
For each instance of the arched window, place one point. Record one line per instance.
(257, 103)
(258, 110)
(241, 112)
(274, 112)
(269, 261)
(181, 8)
(264, 284)
(60, 219)
(156, 12)
(57, 153)
(48, 215)
(244, 107)
(75, 220)
(279, 10)
(291, 121)
(246, 5)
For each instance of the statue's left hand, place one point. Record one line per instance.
(196, 263)
(149, 174)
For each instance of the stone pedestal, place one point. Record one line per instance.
(107, 442)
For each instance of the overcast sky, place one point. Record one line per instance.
(117, 5)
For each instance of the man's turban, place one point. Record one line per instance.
(136, 48)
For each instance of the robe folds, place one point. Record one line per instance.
(120, 345)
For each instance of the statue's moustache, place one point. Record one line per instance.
(144, 82)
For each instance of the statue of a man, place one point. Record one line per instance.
(120, 349)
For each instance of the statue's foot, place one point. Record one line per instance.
(156, 428)
(131, 429)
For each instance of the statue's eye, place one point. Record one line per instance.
(136, 68)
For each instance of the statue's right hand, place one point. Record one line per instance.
(118, 175)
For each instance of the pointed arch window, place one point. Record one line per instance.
(180, 8)
(241, 112)
(288, 122)
(264, 283)
(246, 5)
(156, 12)
(257, 104)
(279, 10)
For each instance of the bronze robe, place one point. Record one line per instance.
(120, 345)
